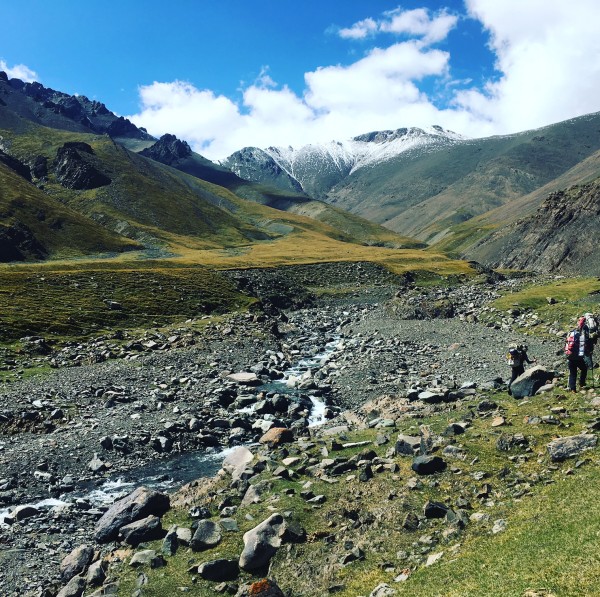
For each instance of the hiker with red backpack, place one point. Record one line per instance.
(578, 350)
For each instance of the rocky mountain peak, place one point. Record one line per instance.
(168, 150)
(56, 109)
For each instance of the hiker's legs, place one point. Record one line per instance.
(516, 371)
(572, 374)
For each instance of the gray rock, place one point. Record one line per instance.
(184, 535)
(261, 543)
(530, 382)
(383, 590)
(76, 562)
(74, 588)
(407, 445)
(137, 505)
(428, 465)
(266, 587)
(23, 512)
(96, 465)
(219, 570)
(170, 542)
(507, 442)
(147, 557)
(435, 510)
(567, 447)
(236, 462)
(108, 589)
(146, 529)
(207, 535)
(96, 574)
(410, 522)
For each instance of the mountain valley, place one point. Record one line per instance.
(285, 374)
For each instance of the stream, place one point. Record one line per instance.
(169, 474)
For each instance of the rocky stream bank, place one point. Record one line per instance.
(76, 438)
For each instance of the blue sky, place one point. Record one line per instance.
(224, 74)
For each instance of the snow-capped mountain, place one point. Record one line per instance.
(316, 168)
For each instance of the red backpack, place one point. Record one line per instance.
(572, 344)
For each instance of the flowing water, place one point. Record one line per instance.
(168, 474)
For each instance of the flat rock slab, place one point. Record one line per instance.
(247, 378)
(207, 535)
(567, 447)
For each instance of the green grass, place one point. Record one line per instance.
(70, 303)
(551, 538)
(573, 296)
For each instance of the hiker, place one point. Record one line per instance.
(517, 357)
(578, 350)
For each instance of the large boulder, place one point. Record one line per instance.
(530, 382)
(76, 562)
(236, 462)
(261, 543)
(74, 588)
(139, 504)
(277, 436)
(567, 447)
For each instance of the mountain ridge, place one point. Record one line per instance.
(335, 160)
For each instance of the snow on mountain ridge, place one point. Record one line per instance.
(358, 152)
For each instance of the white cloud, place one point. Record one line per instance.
(19, 71)
(417, 22)
(359, 30)
(547, 56)
(377, 91)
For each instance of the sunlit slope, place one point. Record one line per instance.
(35, 225)
(161, 207)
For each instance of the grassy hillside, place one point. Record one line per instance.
(57, 230)
(165, 208)
(548, 540)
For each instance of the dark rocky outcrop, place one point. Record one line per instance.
(560, 236)
(17, 243)
(168, 150)
(75, 170)
(14, 164)
(56, 109)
